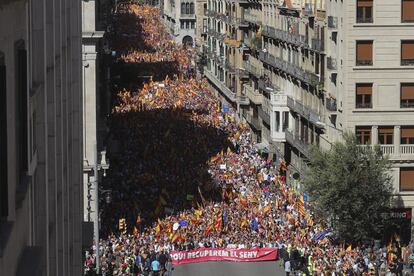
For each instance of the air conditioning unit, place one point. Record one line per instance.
(332, 22)
(332, 64)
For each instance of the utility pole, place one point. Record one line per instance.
(96, 225)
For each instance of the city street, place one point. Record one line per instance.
(229, 269)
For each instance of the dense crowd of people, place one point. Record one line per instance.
(188, 176)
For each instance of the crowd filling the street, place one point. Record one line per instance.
(187, 175)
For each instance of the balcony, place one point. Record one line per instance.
(266, 87)
(188, 16)
(221, 86)
(252, 18)
(252, 69)
(295, 39)
(278, 99)
(265, 116)
(304, 111)
(294, 140)
(254, 122)
(243, 100)
(216, 34)
(317, 45)
(291, 69)
(253, 94)
(395, 152)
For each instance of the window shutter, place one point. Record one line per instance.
(407, 132)
(364, 50)
(407, 91)
(364, 3)
(407, 179)
(385, 130)
(364, 89)
(408, 10)
(407, 49)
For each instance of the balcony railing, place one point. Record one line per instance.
(253, 94)
(296, 142)
(365, 20)
(290, 68)
(252, 69)
(221, 86)
(306, 112)
(364, 62)
(317, 45)
(295, 39)
(407, 149)
(186, 15)
(395, 152)
(363, 105)
(243, 100)
(405, 62)
(265, 116)
(407, 103)
(252, 18)
(266, 87)
(253, 121)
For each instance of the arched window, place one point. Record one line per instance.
(191, 8)
(182, 8)
(187, 8)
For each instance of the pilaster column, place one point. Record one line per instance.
(397, 139)
(374, 135)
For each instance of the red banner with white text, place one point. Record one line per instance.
(223, 254)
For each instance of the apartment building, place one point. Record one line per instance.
(225, 51)
(317, 69)
(375, 66)
(40, 138)
(180, 19)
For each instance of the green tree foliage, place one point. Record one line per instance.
(350, 187)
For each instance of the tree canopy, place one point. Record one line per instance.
(350, 187)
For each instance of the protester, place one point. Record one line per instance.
(188, 176)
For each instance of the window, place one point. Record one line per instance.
(21, 116)
(407, 52)
(364, 11)
(364, 53)
(407, 95)
(407, 135)
(385, 135)
(363, 134)
(191, 8)
(364, 95)
(285, 120)
(182, 8)
(277, 120)
(407, 11)
(187, 8)
(3, 141)
(407, 179)
(182, 25)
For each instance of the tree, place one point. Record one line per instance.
(350, 188)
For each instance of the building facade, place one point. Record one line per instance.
(317, 69)
(180, 19)
(41, 138)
